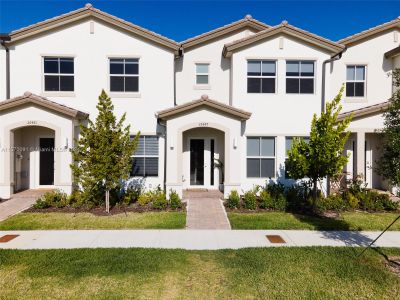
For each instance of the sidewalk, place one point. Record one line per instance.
(191, 239)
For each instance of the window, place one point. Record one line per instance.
(202, 73)
(299, 77)
(145, 159)
(261, 76)
(288, 144)
(261, 157)
(124, 75)
(355, 81)
(58, 74)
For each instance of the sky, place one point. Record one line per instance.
(183, 19)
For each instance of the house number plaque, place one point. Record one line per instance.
(203, 124)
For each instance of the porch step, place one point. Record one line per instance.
(202, 193)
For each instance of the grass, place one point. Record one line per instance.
(267, 273)
(282, 220)
(54, 220)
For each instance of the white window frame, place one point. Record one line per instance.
(148, 156)
(355, 80)
(260, 157)
(57, 93)
(262, 76)
(197, 73)
(300, 77)
(129, 93)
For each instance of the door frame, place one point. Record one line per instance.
(37, 164)
(207, 160)
(368, 164)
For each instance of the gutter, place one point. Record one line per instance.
(337, 56)
(177, 57)
(3, 39)
(165, 154)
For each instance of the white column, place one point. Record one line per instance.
(360, 166)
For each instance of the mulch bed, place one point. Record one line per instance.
(101, 211)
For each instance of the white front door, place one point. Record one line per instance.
(201, 162)
(368, 164)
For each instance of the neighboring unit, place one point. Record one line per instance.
(217, 111)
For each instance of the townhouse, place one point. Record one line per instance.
(217, 111)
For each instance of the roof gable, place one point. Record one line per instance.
(28, 97)
(203, 102)
(284, 28)
(247, 22)
(356, 38)
(85, 12)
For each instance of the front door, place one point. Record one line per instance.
(197, 162)
(46, 161)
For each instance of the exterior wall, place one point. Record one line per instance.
(31, 117)
(280, 114)
(91, 53)
(211, 52)
(378, 82)
(2, 73)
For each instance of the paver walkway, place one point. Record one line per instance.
(205, 210)
(191, 239)
(19, 202)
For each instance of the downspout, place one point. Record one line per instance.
(336, 57)
(3, 39)
(165, 154)
(179, 56)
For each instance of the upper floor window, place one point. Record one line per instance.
(145, 159)
(355, 81)
(261, 76)
(261, 157)
(124, 74)
(58, 74)
(299, 77)
(202, 73)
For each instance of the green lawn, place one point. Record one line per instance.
(281, 220)
(268, 273)
(53, 220)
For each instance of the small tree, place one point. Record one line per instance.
(102, 156)
(323, 155)
(389, 163)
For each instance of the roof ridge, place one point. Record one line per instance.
(91, 12)
(247, 19)
(350, 38)
(284, 24)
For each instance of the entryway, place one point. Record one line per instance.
(203, 152)
(33, 163)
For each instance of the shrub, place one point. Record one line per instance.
(275, 189)
(350, 200)
(266, 200)
(332, 202)
(159, 200)
(250, 200)
(131, 194)
(54, 198)
(297, 195)
(174, 200)
(233, 199)
(145, 198)
(279, 203)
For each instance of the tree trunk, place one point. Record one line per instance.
(107, 201)
(315, 193)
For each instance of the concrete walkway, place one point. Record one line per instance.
(191, 239)
(205, 210)
(19, 202)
